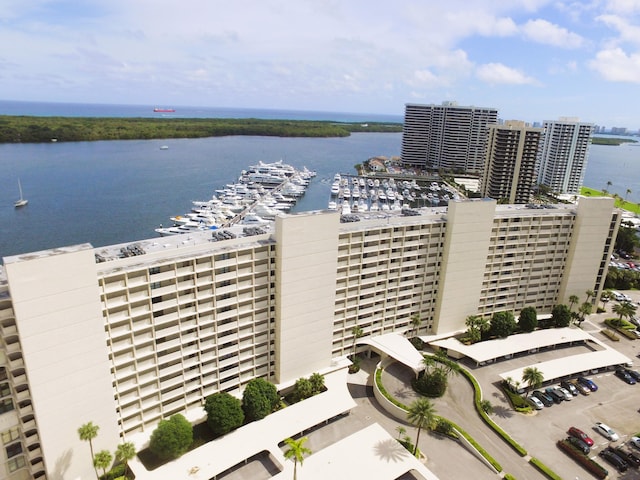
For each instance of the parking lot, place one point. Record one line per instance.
(615, 403)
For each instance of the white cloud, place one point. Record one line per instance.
(543, 31)
(497, 73)
(627, 32)
(625, 7)
(616, 66)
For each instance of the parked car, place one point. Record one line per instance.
(581, 387)
(635, 441)
(606, 431)
(589, 383)
(535, 402)
(576, 432)
(565, 393)
(631, 458)
(543, 397)
(624, 376)
(555, 396)
(579, 444)
(634, 374)
(569, 386)
(614, 459)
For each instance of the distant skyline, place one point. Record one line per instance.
(532, 60)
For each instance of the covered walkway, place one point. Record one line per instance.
(504, 348)
(397, 347)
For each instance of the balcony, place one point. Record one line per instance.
(35, 454)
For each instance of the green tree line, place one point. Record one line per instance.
(24, 129)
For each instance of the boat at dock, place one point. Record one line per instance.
(262, 192)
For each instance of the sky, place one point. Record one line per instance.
(533, 60)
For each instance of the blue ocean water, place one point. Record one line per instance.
(45, 109)
(119, 191)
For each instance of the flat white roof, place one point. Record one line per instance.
(571, 365)
(370, 453)
(398, 347)
(221, 454)
(522, 342)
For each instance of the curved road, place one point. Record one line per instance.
(457, 406)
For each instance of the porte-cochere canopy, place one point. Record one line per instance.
(398, 347)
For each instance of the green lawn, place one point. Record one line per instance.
(620, 203)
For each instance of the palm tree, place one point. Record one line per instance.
(124, 452)
(87, 433)
(590, 294)
(357, 332)
(297, 451)
(401, 431)
(624, 309)
(608, 185)
(573, 299)
(533, 377)
(103, 460)
(627, 194)
(421, 414)
(486, 407)
(416, 321)
(476, 326)
(585, 309)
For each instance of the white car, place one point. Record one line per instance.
(606, 431)
(565, 393)
(537, 404)
(635, 441)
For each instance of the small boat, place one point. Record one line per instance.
(22, 201)
(164, 147)
(164, 110)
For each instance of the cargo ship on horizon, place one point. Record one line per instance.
(164, 110)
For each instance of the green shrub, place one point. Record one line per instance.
(432, 384)
(477, 446)
(114, 473)
(518, 402)
(546, 471)
(171, 438)
(259, 399)
(224, 412)
(508, 476)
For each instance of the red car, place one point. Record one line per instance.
(576, 432)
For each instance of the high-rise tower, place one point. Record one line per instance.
(446, 136)
(563, 155)
(510, 167)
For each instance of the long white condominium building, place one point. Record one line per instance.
(564, 154)
(447, 136)
(510, 173)
(124, 341)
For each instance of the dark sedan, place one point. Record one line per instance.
(624, 376)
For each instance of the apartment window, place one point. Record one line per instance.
(10, 435)
(16, 463)
(14, 449)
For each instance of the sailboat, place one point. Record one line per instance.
(22, 201)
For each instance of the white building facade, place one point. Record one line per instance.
(563, 155)
(129, 341)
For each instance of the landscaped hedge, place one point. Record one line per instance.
(623, 328)
(546, 471)
(518, 402)
(477, 446)
(384, 392)
(470, 439)
(508, 476)
(610, 334)
(477, 399)
(591, 465)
